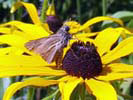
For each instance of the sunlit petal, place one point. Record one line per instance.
(69, 45)
(11, 50)
(115, 76)
(116, 71)
(31, 9)
(123, 30)
(5, 30)
(85, 35)
(32, 82)
(122, 49)
(105, 39)
(99, 19)
(13, 30)
(61, 88)
(69, 86)
(102, 90)
(119, 67)
(31, 30)
(9, 71)
(21, 60)
(65, 78)
(74, 26)
(13, 40)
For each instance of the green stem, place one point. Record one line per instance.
(31, 92)
(79, 10)
(82, 92)
(43, 11)
(52, 95)
(104, 7)
(131, 59)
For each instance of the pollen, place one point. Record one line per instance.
(82, 60)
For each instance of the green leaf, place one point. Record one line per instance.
(123, 15)
(130, 24)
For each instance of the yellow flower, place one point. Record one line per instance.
(16, 65)
(16, 60)
(24, 32)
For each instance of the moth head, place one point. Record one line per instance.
(66, 28)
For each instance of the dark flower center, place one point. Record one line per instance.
(54, 23)
(82, 60)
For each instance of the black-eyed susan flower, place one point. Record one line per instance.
(16, 60)
(92, 63)
(24, 32)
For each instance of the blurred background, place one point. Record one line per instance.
(81, 11)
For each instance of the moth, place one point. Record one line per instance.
(51, 47)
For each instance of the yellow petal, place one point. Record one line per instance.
(21, 60)
(115, 76)
(9, 71)
(32, 82)
(61, 86)
(85, 35)
(5, 30)
(32, 31)
(31, 9)
(51, 10)
(16, 45)
(15, 51)
(11, 50)
(122, 49)
(65, 78)
(102, 90)
(105, 39)
(68, 47)
(119, 67)
(99, 19)
(117, 71)
(13, 40)
(68, 87)
(74, 26)
(123, 30)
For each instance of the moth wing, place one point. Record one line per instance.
(34, 43)
(46, 47)
(39, 44)
(50, 54)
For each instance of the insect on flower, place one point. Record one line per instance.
(51, 47)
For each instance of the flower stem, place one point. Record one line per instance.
(31, 92)
(43, 11)
(78, 10)
(104, 6)
(52, 95)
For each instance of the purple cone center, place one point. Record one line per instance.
(82, 60)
